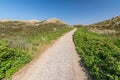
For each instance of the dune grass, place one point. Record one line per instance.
(18, 45)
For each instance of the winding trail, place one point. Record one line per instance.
(58, 62)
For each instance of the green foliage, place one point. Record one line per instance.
(11, 59)
(19, 40)
(100, 54)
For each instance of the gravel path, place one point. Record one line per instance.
(58, 62)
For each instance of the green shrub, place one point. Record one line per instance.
(11, 60)
(19, 43)
(100, 54)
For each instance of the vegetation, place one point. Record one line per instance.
(79, 25)
(20, 40)
(111, 25)
(100, 54)
(11, 59)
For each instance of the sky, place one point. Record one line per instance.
(70, 11)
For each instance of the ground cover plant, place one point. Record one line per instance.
(19, 41)
(100, 54)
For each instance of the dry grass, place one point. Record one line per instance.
(103, 31)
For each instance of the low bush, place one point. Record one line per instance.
(11, 60)
(17, 48)
(100, 54)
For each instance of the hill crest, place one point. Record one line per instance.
(54, 20)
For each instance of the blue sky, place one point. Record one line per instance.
(70, 11)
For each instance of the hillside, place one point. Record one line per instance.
(53, 20)
(10, 28)
(21, 40)
(111, 26)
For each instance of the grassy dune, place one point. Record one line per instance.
(19, 41)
